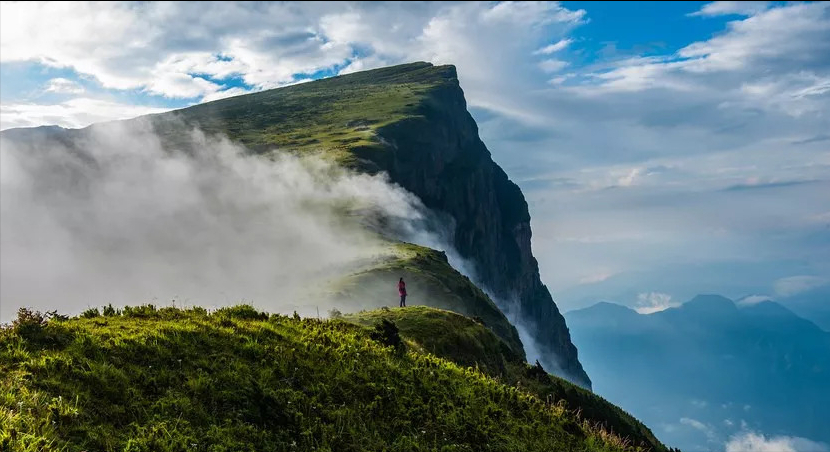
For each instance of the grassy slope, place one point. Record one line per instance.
(238, 380)
(431, 281)
(470, 344)
(335, 115)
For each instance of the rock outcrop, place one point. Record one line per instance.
(439, 156)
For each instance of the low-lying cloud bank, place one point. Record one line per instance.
(756, 442)
(116, 217)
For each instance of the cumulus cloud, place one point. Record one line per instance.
(63, 86)
(651, 302)
(756, 442)
(73, 113)
(730, 7)
(118, 218)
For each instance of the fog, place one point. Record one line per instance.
(116, 218)
(113, 216)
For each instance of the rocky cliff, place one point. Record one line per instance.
(438, 155)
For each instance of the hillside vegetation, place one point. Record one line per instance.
(470, 343)
(241, 380)
(431, 281)
(335, 115)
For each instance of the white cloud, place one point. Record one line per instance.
(230, 92)
(74, 113)
(755, 442)
(752, 64)
(63, 86)
(553, 48)
(699, 403)
(532, 13)
(596, 277)
(172, 84)
(630, 178)
(794, 285)
(745, 8)
(697, 425)
(651, 302)
(753, 299)
(553, 65)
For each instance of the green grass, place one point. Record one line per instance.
(431, 281)
(468, 343)
(239, 380)
(333, 116)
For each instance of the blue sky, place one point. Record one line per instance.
(666, 149)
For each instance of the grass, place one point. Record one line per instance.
(431, 281)
(239, 380)
(333, 116)
(469, 343)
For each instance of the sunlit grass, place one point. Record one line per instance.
(239, 380)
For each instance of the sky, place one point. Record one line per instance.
(665, 149)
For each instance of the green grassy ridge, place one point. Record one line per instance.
(431, 281)
(468, 343)
(334, 116)
(446, 334)
(239, 380)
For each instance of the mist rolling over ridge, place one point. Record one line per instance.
(116, 218)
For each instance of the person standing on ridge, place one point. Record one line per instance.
(402, 292)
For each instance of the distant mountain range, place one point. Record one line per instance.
(710, 368)
(813, 305)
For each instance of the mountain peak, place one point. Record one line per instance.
(709, 303)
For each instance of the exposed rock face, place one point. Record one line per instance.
(440, 157)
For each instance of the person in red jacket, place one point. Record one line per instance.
(402, 292)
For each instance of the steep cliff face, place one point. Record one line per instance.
(438, 155)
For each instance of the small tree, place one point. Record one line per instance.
(29, 324)
(335, 313)
(34, 327)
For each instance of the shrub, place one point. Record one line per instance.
(146, 310)
(335, 313)
(387, 333)
(91, 313)
(29, 324)
(109, 311)
(34, 327)
(243, 312)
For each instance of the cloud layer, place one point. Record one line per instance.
(755, 442)
(120, 219)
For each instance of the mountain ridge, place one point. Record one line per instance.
(411, 122)
(710, 360)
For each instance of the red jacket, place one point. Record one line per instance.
(402, 288)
